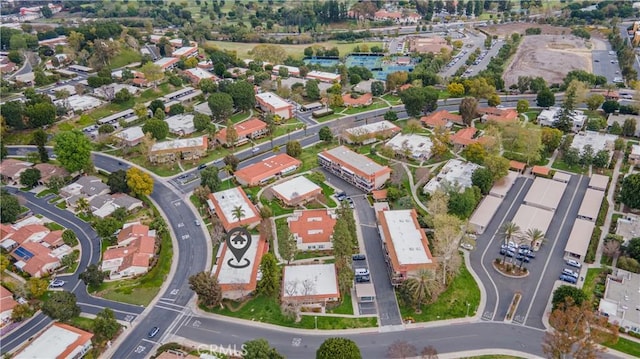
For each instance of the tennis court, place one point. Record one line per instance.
(322, 61)
(369, 61)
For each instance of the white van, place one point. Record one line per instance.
(361, 272)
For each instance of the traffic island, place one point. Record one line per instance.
(513, 307)
(510, 270)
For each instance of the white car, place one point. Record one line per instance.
(466, 246)
(573, 263)
(255, 149)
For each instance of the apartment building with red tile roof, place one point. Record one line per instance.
(464, 137)
(237, 282)
(357, 169)
(247, 130)
(405, 244)
(498, 114)
(296, 191)
(313, 228)
(441, 118)
(312, 285)
(224, 203)
(271, 103)
(267, 169)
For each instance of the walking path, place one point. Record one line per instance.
(612, 205)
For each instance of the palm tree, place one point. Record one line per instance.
(238, 212)
(533, 235)
(82, 205)
(422, 287)
(509, 230)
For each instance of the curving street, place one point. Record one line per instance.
(172, 313)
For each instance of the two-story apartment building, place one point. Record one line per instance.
(357, 169)
(247, 130)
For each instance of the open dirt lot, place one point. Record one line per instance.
(520, 27)
(550, 57)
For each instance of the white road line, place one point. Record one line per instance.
(114, 310)
(555, 242)
(150, 341)
(19, 337)
(166, 308)
(489, 246)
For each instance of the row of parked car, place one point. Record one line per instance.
(361, 274)
(570, 275)
(522, 253)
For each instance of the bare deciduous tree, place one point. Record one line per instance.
(429, 352)
(401, 349)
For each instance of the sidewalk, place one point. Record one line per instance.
(612, 204)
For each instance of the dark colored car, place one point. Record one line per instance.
(568, 279)
(153, 332)
(358, 257)
(521, 257)
(201, 167)
(363, 279)
(507, 252)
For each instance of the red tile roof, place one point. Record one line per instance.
(440, 118)
(269, 167)
(25, 232)
(379, 194)
(540, 170)
(464, 137)
(243, 129)
(498, 114)
(363, 100)
(517, 165)
(313, 226)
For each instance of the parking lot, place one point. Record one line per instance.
(606, 64)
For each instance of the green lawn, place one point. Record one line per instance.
(559, 164)
(296, 51)
(62, 205)
(240, 116)
(329, 118)
(312, 254)
(590, 281)
(267, 310)
(126, 57)
(373, 106)
(626, 346)
(82, 323)
(141, 290)
(44, 193)
(309, 156)
(452, 303)
(393, 99)
(346, 307)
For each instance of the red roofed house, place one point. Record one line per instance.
(442, 118)
(247, 130)
(518, 166)
(267, 169)
(35, 259)
(47, 171)
(362, 100)
(7, 303)
(53, 239)
(312, 229)
(498, 114)
(132, 255)
(10, 170)
(197, 74)
(238, 282)
(225, 205)
(397, 16)
(541, 171)
(464, 137)
(29, 233)
(6, 230)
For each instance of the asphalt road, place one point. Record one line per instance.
(90, 244)
(387, 305)
(191, 256)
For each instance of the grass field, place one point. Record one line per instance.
(267, 310)
(297, 51)
(452, 303)
(126, 57)
(626, 346)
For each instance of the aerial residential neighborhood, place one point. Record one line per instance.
(338, 179)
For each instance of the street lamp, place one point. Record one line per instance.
(468, 305)
(316, 321)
